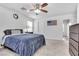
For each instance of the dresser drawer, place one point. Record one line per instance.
(74, 36)
(74, 29)
(71, 53)
(75, 44)
(73, 50)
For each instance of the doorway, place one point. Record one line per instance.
(66, 28)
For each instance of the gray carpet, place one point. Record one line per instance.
(52, 48)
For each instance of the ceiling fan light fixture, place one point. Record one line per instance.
(37, 11)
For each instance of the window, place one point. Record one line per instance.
(29, 26)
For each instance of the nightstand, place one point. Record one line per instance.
(29, 32)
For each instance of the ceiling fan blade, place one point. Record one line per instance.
(44, 4)
(44, 10)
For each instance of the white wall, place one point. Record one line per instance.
(7, 21)
(54, 32)
(36, 29)
(78, 13)
(39, 25)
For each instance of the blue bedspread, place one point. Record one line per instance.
(25, 44)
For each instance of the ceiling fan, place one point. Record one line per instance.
(37, 8)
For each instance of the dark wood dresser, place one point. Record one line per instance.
(74, 40)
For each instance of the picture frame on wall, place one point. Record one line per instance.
(51, 22)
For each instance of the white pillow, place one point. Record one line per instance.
(16, 31)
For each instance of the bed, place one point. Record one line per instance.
(24, 44)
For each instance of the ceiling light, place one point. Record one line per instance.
(37, 11)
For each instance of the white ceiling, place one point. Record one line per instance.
(54, 9)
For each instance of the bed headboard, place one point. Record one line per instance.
(13, 31)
